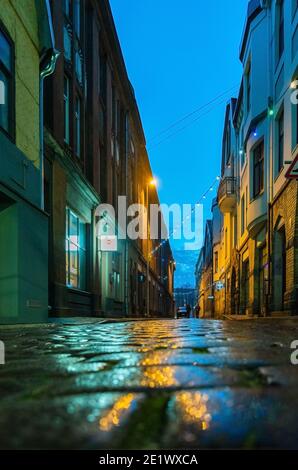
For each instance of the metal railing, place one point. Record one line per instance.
(227, 187)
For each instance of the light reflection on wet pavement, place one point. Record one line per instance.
(150, 384)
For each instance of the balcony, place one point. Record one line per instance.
(227, 194)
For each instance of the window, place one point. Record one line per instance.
(6, 83)
(75, 251)
(116, 266)
(295, 7)
(78, 127)
(280, 150)
(248, 88)
(216, 262)
(118, 130)
(226, 243)
(66, 109)
(258, 169)
(102, 76)
(228, 143)
(67, 7)
(281, 29)
(242, 215)
(79, 66)
(77, 17)
(67, 42)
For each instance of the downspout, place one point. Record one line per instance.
(47, 67)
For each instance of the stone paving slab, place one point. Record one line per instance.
(155, 384)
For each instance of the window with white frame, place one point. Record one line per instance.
(76, 251)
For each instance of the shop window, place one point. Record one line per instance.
(75, 251)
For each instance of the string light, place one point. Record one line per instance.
(204, 196)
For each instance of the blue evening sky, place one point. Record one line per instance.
(179, 56)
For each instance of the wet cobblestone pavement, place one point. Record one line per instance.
(155, 384)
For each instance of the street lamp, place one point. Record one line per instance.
(151, 184)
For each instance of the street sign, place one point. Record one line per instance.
(219, 285)
(292, 172)
(108, 243)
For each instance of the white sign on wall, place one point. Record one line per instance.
(108, 243)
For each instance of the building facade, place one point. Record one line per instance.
(26, 57)
(83, 147)
(96, 153)
(257, 259)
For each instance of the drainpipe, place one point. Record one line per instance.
(47, 67)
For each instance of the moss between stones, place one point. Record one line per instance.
(145, 426)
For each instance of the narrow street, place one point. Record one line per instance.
(150, 384)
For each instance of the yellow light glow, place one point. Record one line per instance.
(194, 409)
(294, 84)
(112, 417)
(153, 182)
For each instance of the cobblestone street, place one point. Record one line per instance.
(150, 384)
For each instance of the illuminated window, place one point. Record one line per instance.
(75, 251)
(6, 84)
